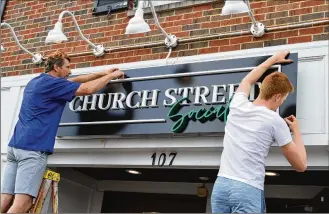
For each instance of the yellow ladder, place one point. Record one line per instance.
(50, 181)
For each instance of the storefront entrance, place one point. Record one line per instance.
(156, 190)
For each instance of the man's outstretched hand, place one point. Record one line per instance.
(280, 57)
(111, 70)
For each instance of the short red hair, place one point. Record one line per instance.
(275, 83)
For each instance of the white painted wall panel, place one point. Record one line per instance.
(10, 104)
(311, 104)
(73, 197)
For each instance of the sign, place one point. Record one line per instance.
(180, 99)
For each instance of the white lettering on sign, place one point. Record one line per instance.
(198, 95)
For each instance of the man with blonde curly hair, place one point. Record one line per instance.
(251, 129)
(45, 97)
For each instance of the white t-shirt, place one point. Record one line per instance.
(249, 133)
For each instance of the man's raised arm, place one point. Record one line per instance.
(93, 76)
(256, 73)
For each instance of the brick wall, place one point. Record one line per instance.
(33, 19)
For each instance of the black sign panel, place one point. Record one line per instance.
(180, 99)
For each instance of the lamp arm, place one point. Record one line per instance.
(76, 26)
(156, 21)
(16, 39)
(250, 13)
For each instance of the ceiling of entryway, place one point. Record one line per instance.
(286, 177)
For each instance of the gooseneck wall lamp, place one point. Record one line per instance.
(56, 35)
(137, 24)
(36, 58)
(243, 6)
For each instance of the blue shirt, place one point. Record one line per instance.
(43, 103)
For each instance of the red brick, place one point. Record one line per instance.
(72, 34)
(219, 42)
(9, 44)
(114, 61)
(104, 29)
(300, 39)
(80, 48)
(208, 50)
(229, 48)
(4, 64)
(167, 24)
(314, 30)
(90, 31)
(121, 15)
(257, 17)
(202, 7)
(182, 34)
(30, 12)
(73, 66)
(174, 29)
(276, 2)
(98, 62)
(35, 16)
(81, 22)
(142, 52)
(16, 62)
(8, 8)
(321, 8)
(39, 29)
(240, 40)
(290, 6)
(23, 56)
(38, 6)
(42, 10)
(77, 59)
(286, 34)
(183, 22)
(112, 33)
(300, 11)
(38, 70)
(264, 10)
(231, 22)
(310, 3)
(124, 54)
(120, 26)
(14, 73)
(210, 24)
(192, 15)
(254, 5)
(132, 59)
(174, 18)
(10, 58)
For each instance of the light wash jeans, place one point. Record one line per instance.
(231, 196)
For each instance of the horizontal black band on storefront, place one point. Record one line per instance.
(191, 98)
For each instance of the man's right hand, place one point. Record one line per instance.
(111, 70)
(280, 57)
(117, 74)
(292, 122)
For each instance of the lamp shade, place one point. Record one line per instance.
(137, 24)
(2, 49)
(234, 6)
(56, 35)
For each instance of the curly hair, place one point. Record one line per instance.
(56, 58)
(275, 83)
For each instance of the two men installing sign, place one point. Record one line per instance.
(251, 129)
